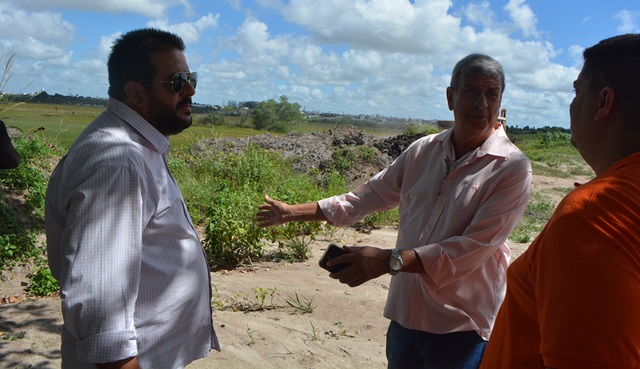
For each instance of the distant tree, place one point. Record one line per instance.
(276, 116)
(215, 118)
(249, 104)
(230, 110)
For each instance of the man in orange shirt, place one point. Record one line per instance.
(573, 298)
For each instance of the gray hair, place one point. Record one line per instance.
(475, 63)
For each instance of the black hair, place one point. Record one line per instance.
(615, 62)
(130, 57)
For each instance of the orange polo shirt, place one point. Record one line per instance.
(573, 298)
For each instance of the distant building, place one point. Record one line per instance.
(503, 118)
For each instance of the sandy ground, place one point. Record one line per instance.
(346, 328)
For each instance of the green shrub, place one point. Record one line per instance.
(22, 213)
(17, 235)
(215, 119)
(43, 283)
(231, 235)
(423, 129)
(223, 193)
(345, 159)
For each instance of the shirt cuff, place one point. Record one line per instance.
(107, 347)
(436, 263)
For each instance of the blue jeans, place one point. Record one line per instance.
(411, 349)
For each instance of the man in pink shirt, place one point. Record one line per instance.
(459, 194)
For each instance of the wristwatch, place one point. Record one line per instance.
(395, 262)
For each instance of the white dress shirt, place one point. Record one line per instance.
(457, 216)
(133, 276)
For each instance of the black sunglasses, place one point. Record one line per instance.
(179, 80)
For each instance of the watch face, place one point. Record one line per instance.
(395, 264)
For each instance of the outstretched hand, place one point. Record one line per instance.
(272, 213)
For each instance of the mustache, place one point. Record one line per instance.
(185, 101)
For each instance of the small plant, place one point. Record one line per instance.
(305, 306)
(314, 332)
(343, 331)
(13, 337)
(252, 339)
(272, 292)
(241, 302)
(236, 304)
(43, 283)
(216, 303)
(261, 295)
(296, 249)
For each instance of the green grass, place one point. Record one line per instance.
(536, 214)
(61, 124)
(552, 154)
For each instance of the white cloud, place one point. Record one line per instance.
(235, 4)
(149, 8)
(190, 32)
(47, 26)
(105, 44)
(537, 107)
(388, 57)
(31, 48)
(575, 52)
(523, 17)
(391, 57)
(628, 21)
(480, 13)
(386, 25)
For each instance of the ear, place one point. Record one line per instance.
(450, 98)
(605, 100)
(135, 93)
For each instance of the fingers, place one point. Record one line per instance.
(264, 216)
(365, 263)
(350, 276)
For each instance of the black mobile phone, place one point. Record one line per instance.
(331, 252)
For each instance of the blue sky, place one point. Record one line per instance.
(386, 57)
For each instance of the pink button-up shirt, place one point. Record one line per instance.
(457, 216)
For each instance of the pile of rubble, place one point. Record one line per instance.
(315, 150)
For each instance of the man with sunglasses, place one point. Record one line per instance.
(134, 281)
